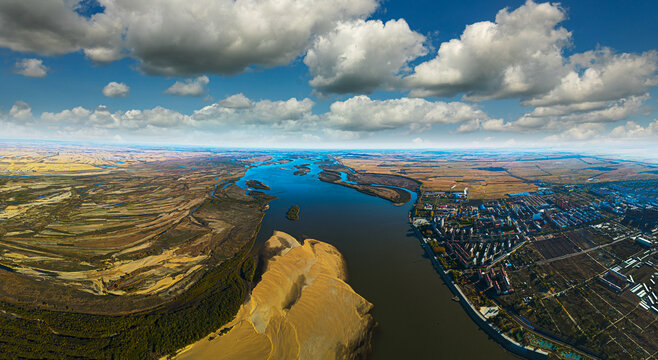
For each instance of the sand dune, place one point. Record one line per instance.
(301, 309)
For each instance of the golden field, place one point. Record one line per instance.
(493, 175)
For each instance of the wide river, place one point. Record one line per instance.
(386, 265)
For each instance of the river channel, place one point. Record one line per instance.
(386, 265)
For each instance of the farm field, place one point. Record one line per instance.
(566, 300)
(493, 175)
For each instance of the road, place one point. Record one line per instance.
(546, 261)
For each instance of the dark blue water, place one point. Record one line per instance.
(386, 265)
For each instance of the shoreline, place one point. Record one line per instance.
(505, 341)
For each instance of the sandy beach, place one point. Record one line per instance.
(301, 309)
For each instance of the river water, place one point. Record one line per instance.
(386, 265)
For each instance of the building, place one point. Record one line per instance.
(643, 241)
(615, 280)
(518, 194)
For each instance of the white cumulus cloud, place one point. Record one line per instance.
(237, 101)
(602, 76)
(559, 117)
(20, 112)
(362, 114)
(519, 54)
(633, 130)
(234, 112)
(53, 28)
(361, 56)
(580, 132)
(76, 115)
(190, 87)
(181, 38)
(351, 119)
(239, 110)
(31, 68)
(116, 90)
(226, 36)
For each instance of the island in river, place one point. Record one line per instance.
(293, 213)
(257, 185)
(397, 196)
(302, 169)
(289, 315)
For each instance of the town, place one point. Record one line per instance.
(566, 271)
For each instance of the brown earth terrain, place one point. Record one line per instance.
(115, 239)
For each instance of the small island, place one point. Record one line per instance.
(302, 169)
(395, 195)
(293, 213)
(255, 184)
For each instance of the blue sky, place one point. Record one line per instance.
(358, 73)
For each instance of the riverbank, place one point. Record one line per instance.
(507, 342)
(386, 265)
(290, 315)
